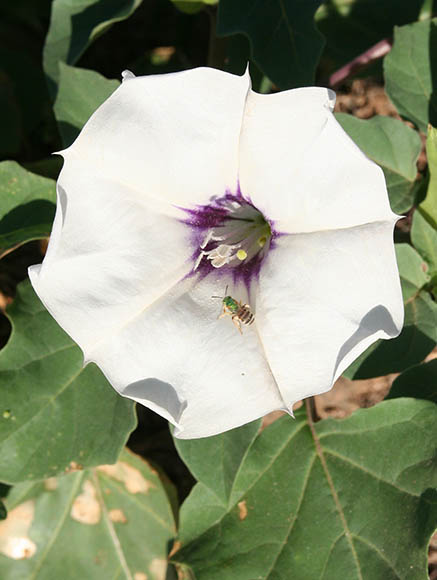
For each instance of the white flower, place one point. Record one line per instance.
(181, 186)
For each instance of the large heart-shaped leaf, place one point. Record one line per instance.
(54, 414)
(80, 93)
(338, 499)
(419, 381)
(27, 207)
(419, 335)
(284, 40)
(424, 238)
(113, 521)
(429, 205)
(74, 24)
(395, 147)
(352, 26)
(410, 75)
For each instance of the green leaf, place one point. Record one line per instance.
(224, 451)
(80, 93)
(113, 521)
(284, 40)
(10, 135)
(352, 26)
(23, 91)
(3, 511)
(74, 25)
(419, 381)
(416, 341)
(395, 147)
(347, 487)
(419, 335)
(54, 413)
(409, 72)
(412, 271)
(424, 238)
(27, 209)
(215, 462)
(193, 6)
(429, 206)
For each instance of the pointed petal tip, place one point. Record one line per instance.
(332, 97)
(127, 75)
(179, 431)
(246, 76)
(62, 153)
(33, 272)
(289, 410)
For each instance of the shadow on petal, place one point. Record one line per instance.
(376, 320)
(62, 197)
(159, 396)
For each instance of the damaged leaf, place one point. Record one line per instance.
(119, 531)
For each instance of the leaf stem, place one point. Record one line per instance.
(310, 404)
(375, 52)
(310, 410)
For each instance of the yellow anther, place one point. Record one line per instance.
(261, 241)
(241, 255)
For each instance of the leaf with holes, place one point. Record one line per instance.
(419, 335)
(284, 40)
(74, 26)
(54, 413)
(395, 147)
(338, 499)
(410, 72)
(117, 518)
(80, 93)
(28, 206)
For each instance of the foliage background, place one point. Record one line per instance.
(311, 498)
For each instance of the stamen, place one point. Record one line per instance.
(207, 239)
(238, 234)
(199, 259)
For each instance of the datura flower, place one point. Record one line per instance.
(187, 196)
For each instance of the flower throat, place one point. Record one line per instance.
(238, 234)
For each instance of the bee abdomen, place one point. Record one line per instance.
(245, 315)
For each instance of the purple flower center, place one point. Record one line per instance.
(230, 235)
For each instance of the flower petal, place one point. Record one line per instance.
(172, 136)
(323, 299)
(302, 170)
(110, 255)
(199, 372)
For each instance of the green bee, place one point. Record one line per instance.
(240, 313)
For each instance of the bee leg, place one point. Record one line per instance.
(222, 314)
(237, 324)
